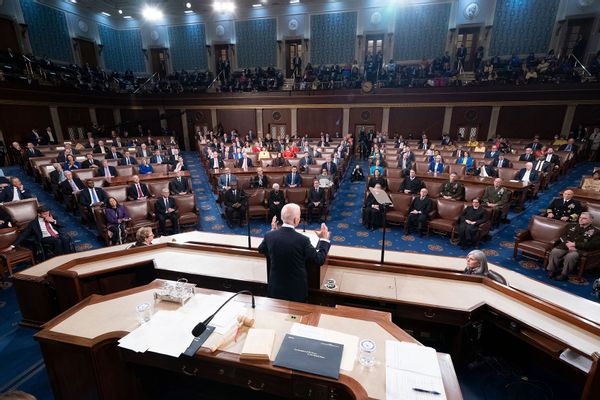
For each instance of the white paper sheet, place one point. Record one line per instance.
(577, 360)
(400, 386)
(350, 342)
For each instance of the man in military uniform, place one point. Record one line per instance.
(579, 236)
(495, 197)
(565, 209)
(452, 190)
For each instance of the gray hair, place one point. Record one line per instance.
(479, 255)
(289, 212)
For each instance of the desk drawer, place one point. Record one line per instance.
(261, 382)
(433, 314)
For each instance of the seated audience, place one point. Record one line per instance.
(128, 159)
(264, 154)
(244, 162)
(158, 158)
(114, 154)
(331, 167)
(107, 171)
(493, 153)
(528, 174)
(137, 190)
(144, 168)
(91, 196)
(436, 166)
(90, 162)
(412, 184)
(293, 179)
(15, 191)
(325, 180)
(31, 152)
(528, 156)
(468, 225)
(260, 180)
(116, 221)
(305, 161)
(467, 161)
(179, 185)
(592, 183)
(552, 158)
(476, 263)
(316, 201)
(565, 209)
(372, 217)
(405, 163)
(495, 197)
(235, 204)
(45, 230)
(377, 179)
(166, 209)
(178, 165)
(501, 162)
(279, 161)
(418, 213)
(569, 146)
(276, 202)
(71, 164)
(377, 166)
(225, 180)
(581, 235)
(541, 165)
(69, 188)
(452, 189)
(214, 160)
(101, 148)
(143, 237)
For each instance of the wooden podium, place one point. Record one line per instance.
(84, 362)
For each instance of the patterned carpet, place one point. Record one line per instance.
(26, 370)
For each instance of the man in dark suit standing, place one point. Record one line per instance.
(166, 209)
(34, 137)
(288, 253)
(137, 190)
(15, 191)
(44, 229)
(235, 204)
(106, 170)
(31, 152)
(179, 185)
(316, 201)
(417, 215)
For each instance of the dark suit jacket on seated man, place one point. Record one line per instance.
(44, 229)
(293, 179)
(15, 191)
(137, 190)
(235, 204)
(91, 195)
(418, 213)
(411, 184)
(244, 160)
(107, 170)
(468, 226)
(179, 185)
(288, 253)
(579, 236)
(166, 209)
(316, 201)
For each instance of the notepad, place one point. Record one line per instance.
(258, 344)
(410, 366)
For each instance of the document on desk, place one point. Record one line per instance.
(350, 342)
(412, 372)
(170, 332)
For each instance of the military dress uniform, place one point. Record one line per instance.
(456, 190)
(499, 197)
(584, 237)
(565, 208)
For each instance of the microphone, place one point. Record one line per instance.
(201, 327)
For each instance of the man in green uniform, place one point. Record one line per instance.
(452, 190)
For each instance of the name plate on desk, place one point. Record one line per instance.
(309, 355)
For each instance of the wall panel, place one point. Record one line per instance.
(526, 121)
(188, 47)
(74, 117)
(280, 116)
(314, 120)
(256, 43)
(332, 38)
(588, 115)
(471, 116)
(16, 121)
(242, 120)
(148, 118)
(105, 117)
(365, 116)
(429, 120)
(48, 31)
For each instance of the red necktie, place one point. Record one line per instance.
(139, 190)
(50, 230)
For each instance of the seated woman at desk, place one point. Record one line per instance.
(467, 161)
(71, 164)
(592, 183)
(143, 237)
(476, 263)
(372, 216)
(116, 221)
(144, 167)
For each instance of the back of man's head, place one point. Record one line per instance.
(290, 214)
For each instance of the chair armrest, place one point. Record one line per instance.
(521, 236)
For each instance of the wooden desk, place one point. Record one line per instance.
(83, 341)
(145, 178)
(590, 196)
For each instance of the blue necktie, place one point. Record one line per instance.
(94, 196)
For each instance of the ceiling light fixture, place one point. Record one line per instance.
(224, 6)
(188, 5)
(152, 13)
(105, 14)
(127, 16)
(120, 12)
(294, 1)
(188, 12)
(74, 1)
(257, 5)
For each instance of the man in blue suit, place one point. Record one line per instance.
(226, 180)
(293, 179)
(288, 253)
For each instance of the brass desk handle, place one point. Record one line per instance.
(188, 373)
(256, 388)
(226, 285)
(429, 314)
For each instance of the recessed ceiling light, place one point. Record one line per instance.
(127, 16)
(74, 1)
(188, 5)
(188, 12)
(120, 11)
(105, 13)
(294, 1)
(256, 5)
(224, 6)
(152, 13)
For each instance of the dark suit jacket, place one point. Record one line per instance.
(488, 154)
(297, 180)
(176, 187)
(332, 168)
(109, 156)
(414, 186)
(559, 208)
(98, 150)
(316, 195)
(545, 165)
(161, 209)
(66, 189)
(305, 162)
(7, 194)
(533, 175)
(505, 163)
(265, 182)
(555, 159)
(132, 161)
(33, 232)
(229, 199)
(148, 153)
(133, 194)
(28, 154)
(113, 171)
(88, 164)
(211, 162)
(565, 146)
(288, 253)
(527, 157)
(163, 160)
(421, 205)
(86, 199)
(238, 163)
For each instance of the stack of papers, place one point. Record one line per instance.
(412, 372)
(170, 332)
(258, 345)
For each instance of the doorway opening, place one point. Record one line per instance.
(294, 54)
(469, 37)
(158, 59)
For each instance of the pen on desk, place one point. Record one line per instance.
(426, 391)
